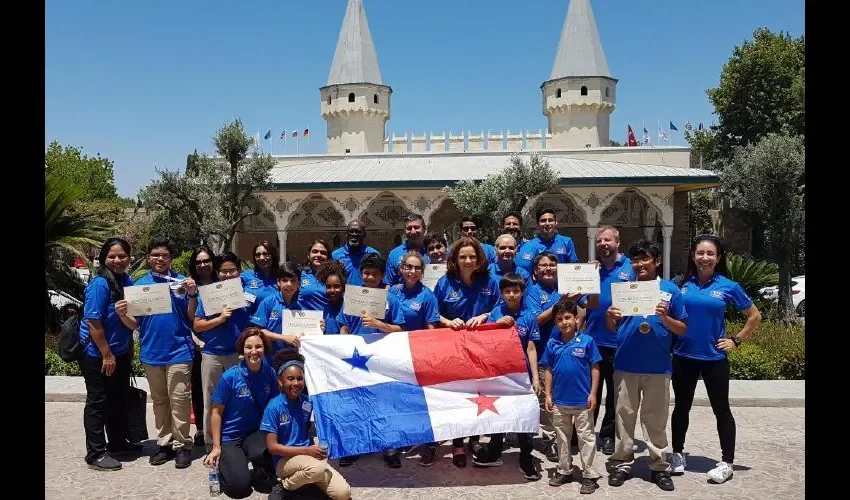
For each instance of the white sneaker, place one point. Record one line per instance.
(677, 463)
(721, 473)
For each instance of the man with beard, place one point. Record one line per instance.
(505, 253)
(547, 240)
(469, 228)
(414, 229)
(512, 225)
(615, 267)
(353, 251)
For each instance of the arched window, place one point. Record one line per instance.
(375, 98)
(558, 94)
(607, 91)
(351, 97)
(329, 99)
(584, 90)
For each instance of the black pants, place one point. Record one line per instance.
(197, 392)
(105, 404)
(715, 376)
(606, 374)
(234, 476)
(523, 439)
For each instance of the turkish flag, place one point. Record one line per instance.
(632, 140)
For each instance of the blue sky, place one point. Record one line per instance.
(145, 83)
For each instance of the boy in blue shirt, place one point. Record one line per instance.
(511, 312)
(286, 421)
(642, 368)
(571, 363)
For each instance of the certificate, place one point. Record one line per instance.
(578, 278)
(636, 298)
(432, 274)
(147, 300)
(359, 300)
(222, 293)
(300, 323)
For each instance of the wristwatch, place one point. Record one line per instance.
(736, 341)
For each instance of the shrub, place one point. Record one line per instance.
(774, 352)
(55, 366)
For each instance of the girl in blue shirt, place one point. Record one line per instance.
(703, 349)
(261, 281)
(269, 315)
(418, 303)
(332, 275)
(202, 271)
(286, 422)
(218, 332)
(240, 398)
(106, 337)
(312, 295)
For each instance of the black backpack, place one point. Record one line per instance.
(70, 348)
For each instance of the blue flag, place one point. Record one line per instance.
(268, 135)
(673, 127)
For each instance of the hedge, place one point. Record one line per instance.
(54, 365)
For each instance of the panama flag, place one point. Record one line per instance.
(380, 391)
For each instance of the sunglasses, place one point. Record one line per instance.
(467, 229)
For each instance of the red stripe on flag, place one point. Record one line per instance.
(444, 355)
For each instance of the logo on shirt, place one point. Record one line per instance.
(522, 331)
(526, 256)
(684, 290)
(486, 291)
(544, 298)
(244, 392)
(284, 418)
(273, 315)
(453, 294)
(561, 250)
(415, 305)
(578, 352)
(623, 275)
(254, 284)
(717, 294)
(305, 282)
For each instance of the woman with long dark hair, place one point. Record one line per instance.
(702, 351)
(201, 270)
(332, 275)
(106, 334)
(261, 281)
(312, 291)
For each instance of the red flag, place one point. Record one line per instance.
(632, 140)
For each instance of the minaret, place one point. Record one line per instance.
(579, 95)
(355, 102)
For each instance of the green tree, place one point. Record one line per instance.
(505, 191)
(216, 196)
(615, 143)
(767, 178)
(94, 174)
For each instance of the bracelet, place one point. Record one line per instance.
(193, 295)
(737, 341)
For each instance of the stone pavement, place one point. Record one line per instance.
(770, 464)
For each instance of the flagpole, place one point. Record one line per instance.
(271, 142)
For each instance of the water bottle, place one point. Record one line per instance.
(215, 487)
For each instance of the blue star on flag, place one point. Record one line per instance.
(358, 360)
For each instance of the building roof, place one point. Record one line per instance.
(579, 51)
(355, 59)
(435, 171)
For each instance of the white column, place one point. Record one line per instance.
(591, 243)
(281, 244)
(667, 231)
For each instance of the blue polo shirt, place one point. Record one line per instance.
(393, 316)
(289, 420)
(525, 254)
(331, 314)
(221, 340)
(269, 315)
(311, 293)
(258, 285)
(649, 353)
(570, 363)
(419, 305)
(392, 275)
(489, 251)
(526, 323)
(351, 261)
(497, 273)
(595, 319)
(98, 306)
(244, 395)
(560, 245)
(165, 339)
(539, 298)
(706, 307)
(456, 300)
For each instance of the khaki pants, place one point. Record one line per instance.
(547, 428)
(301, 470)
(172, 403)
(564, 418)
(212, 366)
(650, 393)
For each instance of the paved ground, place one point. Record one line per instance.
(770, 464)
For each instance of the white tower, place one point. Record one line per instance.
(355, 102)
(579, 95)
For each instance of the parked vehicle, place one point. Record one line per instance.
(798, 294)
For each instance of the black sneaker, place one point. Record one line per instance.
(607, 446)
(588, 486)
(486, 458)
(551, 452)
(559, 479)
(459, 460)
(617, 477)
(106, 463)
(663, 480)
(427, 456)
(125, 448)
(346, 461)
(475, 446)
(393, 461)
(529, 470)
(163, 455)
(183, 458)
(199, 438)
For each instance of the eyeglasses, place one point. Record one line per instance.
(160, 256)
(203, 262)
(228, 272)
(546, 266)
(411, 267)
(467, 229)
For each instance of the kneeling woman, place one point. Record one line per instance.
(238, 403)
(286, 422)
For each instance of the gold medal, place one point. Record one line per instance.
(644, 327)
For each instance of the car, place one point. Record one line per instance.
(798, 294)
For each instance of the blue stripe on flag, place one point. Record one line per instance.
(373, 418)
